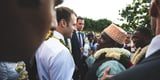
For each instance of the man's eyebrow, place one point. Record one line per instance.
(57, 2)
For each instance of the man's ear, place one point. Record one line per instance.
(63, 23)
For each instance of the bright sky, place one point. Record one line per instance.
(97, 9)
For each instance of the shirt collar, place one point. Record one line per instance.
(58, 35)
(154, 46)
(78, 32)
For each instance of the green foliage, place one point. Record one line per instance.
(96, 25)
(136, 15)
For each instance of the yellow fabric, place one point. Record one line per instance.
(62, 42)
(135, 54)
(138, 55)
(49, 35)
(112, 52)
(21, 69)
(114, 55)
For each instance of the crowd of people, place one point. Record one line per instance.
(41, 42)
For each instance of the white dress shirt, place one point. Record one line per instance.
(154, 46)
(54, 61)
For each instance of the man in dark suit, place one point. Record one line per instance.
(77, 42)
(148, 69)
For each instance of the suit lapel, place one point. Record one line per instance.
(75, 38)
(82, 38)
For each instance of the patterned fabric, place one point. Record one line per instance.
(112, 52)
(62, 42)
(21, 69)
(116, 33)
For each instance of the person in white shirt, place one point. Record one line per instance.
(54, 60)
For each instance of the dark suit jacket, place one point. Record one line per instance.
(76, 47)
(148, 69)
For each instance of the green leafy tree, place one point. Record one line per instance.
(89, 24)
(136, 15)
(102, 23)
(96, 25)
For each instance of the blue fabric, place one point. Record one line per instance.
(7, 71)
(115, 66)
(90, 61)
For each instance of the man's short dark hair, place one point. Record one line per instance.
(79, 17)
(145, 32)
(64, 13)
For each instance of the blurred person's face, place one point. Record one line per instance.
(155, 16)
(90, 37)
(101, 39)
(104, 41)
(80, 24)
(70, 27)
(127, 39)
(23, 26)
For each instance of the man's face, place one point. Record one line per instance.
(90, 37)
(69, 29)
(104, 41)
(23, 28)
(127, 39)
(80, 24)
(101, 39)
(138, 39)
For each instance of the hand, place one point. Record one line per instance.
(106, 75)
(90, 52)
(82, 49)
